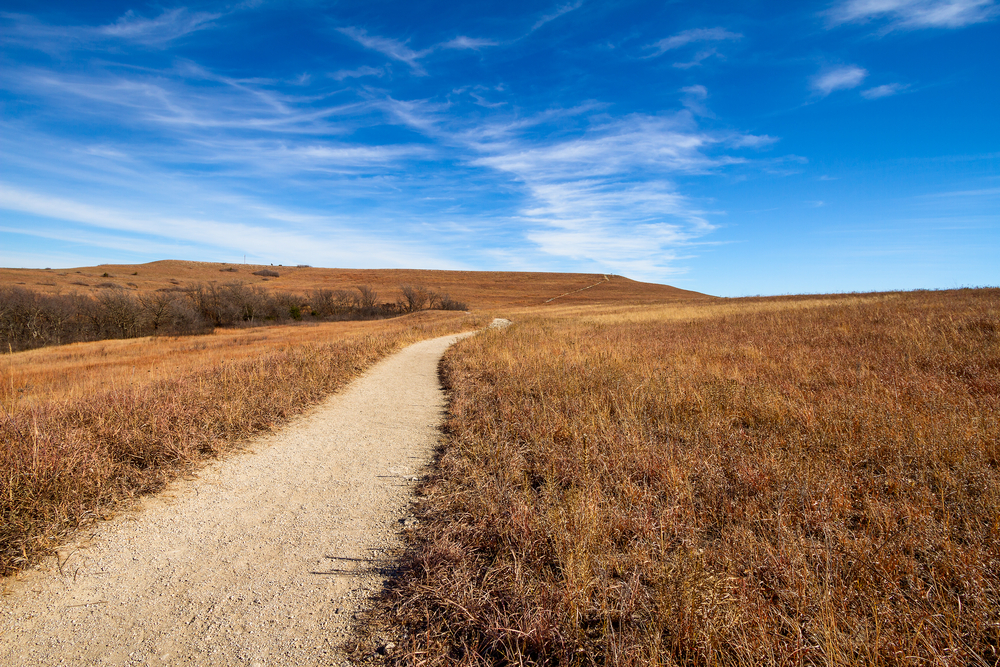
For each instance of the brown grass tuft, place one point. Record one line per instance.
(755, 482)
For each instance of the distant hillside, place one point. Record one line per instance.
(480, 289)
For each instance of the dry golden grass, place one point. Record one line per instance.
(88, 426)
(80, 370)
(766, 481)
(480, 289)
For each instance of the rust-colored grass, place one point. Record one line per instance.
(753, 482)
(479, 289)
(80, 370)
(88, 426)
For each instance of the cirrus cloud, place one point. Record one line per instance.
(885, 90)
(841, 78)
(694, 36)
(914, 14)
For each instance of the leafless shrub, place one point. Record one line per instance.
(445, 302)
(367, 299)
(29, 319)
(244, 303)
(157, 310)
(285, 305)
(206, 300)
(267, 273)
(326, 303)
(119, 314)
(414, 298)
(185, 319)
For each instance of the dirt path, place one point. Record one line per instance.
(262, 559)
(606, 280)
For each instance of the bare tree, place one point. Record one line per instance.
(185, 319)
(367, 299)
(326, 303)
(156, 309)
(414, 298)
(119, 312)
(245, 303)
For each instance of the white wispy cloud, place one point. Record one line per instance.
(332, 243)
(914, 14)
(357, 73)
(388, 47)
(560, 11)
(583, 195)
(840, 78)
(608, 196)
(885, 90)
(466, 43)
(641, 251)
(168, 98)
(104, 241)
(168, 26)
(399, 51)
(698, 58)
(694, 99)
(696, 35)
(634, 142)
(159, 32)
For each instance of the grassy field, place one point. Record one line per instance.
(632, 475)
(786, 481)
(88, 426)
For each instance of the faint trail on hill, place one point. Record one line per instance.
(607, 279)
(262, 559)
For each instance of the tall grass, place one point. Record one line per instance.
(66, 459)
(753, 483)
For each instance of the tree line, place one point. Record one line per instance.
(30, 319)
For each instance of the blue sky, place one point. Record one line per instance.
(730, 148)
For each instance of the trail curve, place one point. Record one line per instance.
(261, 559)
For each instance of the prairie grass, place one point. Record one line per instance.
(781, 481)
(88, 426)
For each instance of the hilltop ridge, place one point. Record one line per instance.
(480, 289)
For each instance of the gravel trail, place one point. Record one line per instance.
(262, 559)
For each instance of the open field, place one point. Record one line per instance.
(760, 481)
(480, 289)
(633, 474)
(88, 426)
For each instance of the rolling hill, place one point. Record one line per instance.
(479, 289)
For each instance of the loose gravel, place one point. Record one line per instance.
(264, 558)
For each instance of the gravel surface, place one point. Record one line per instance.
(263, 559)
